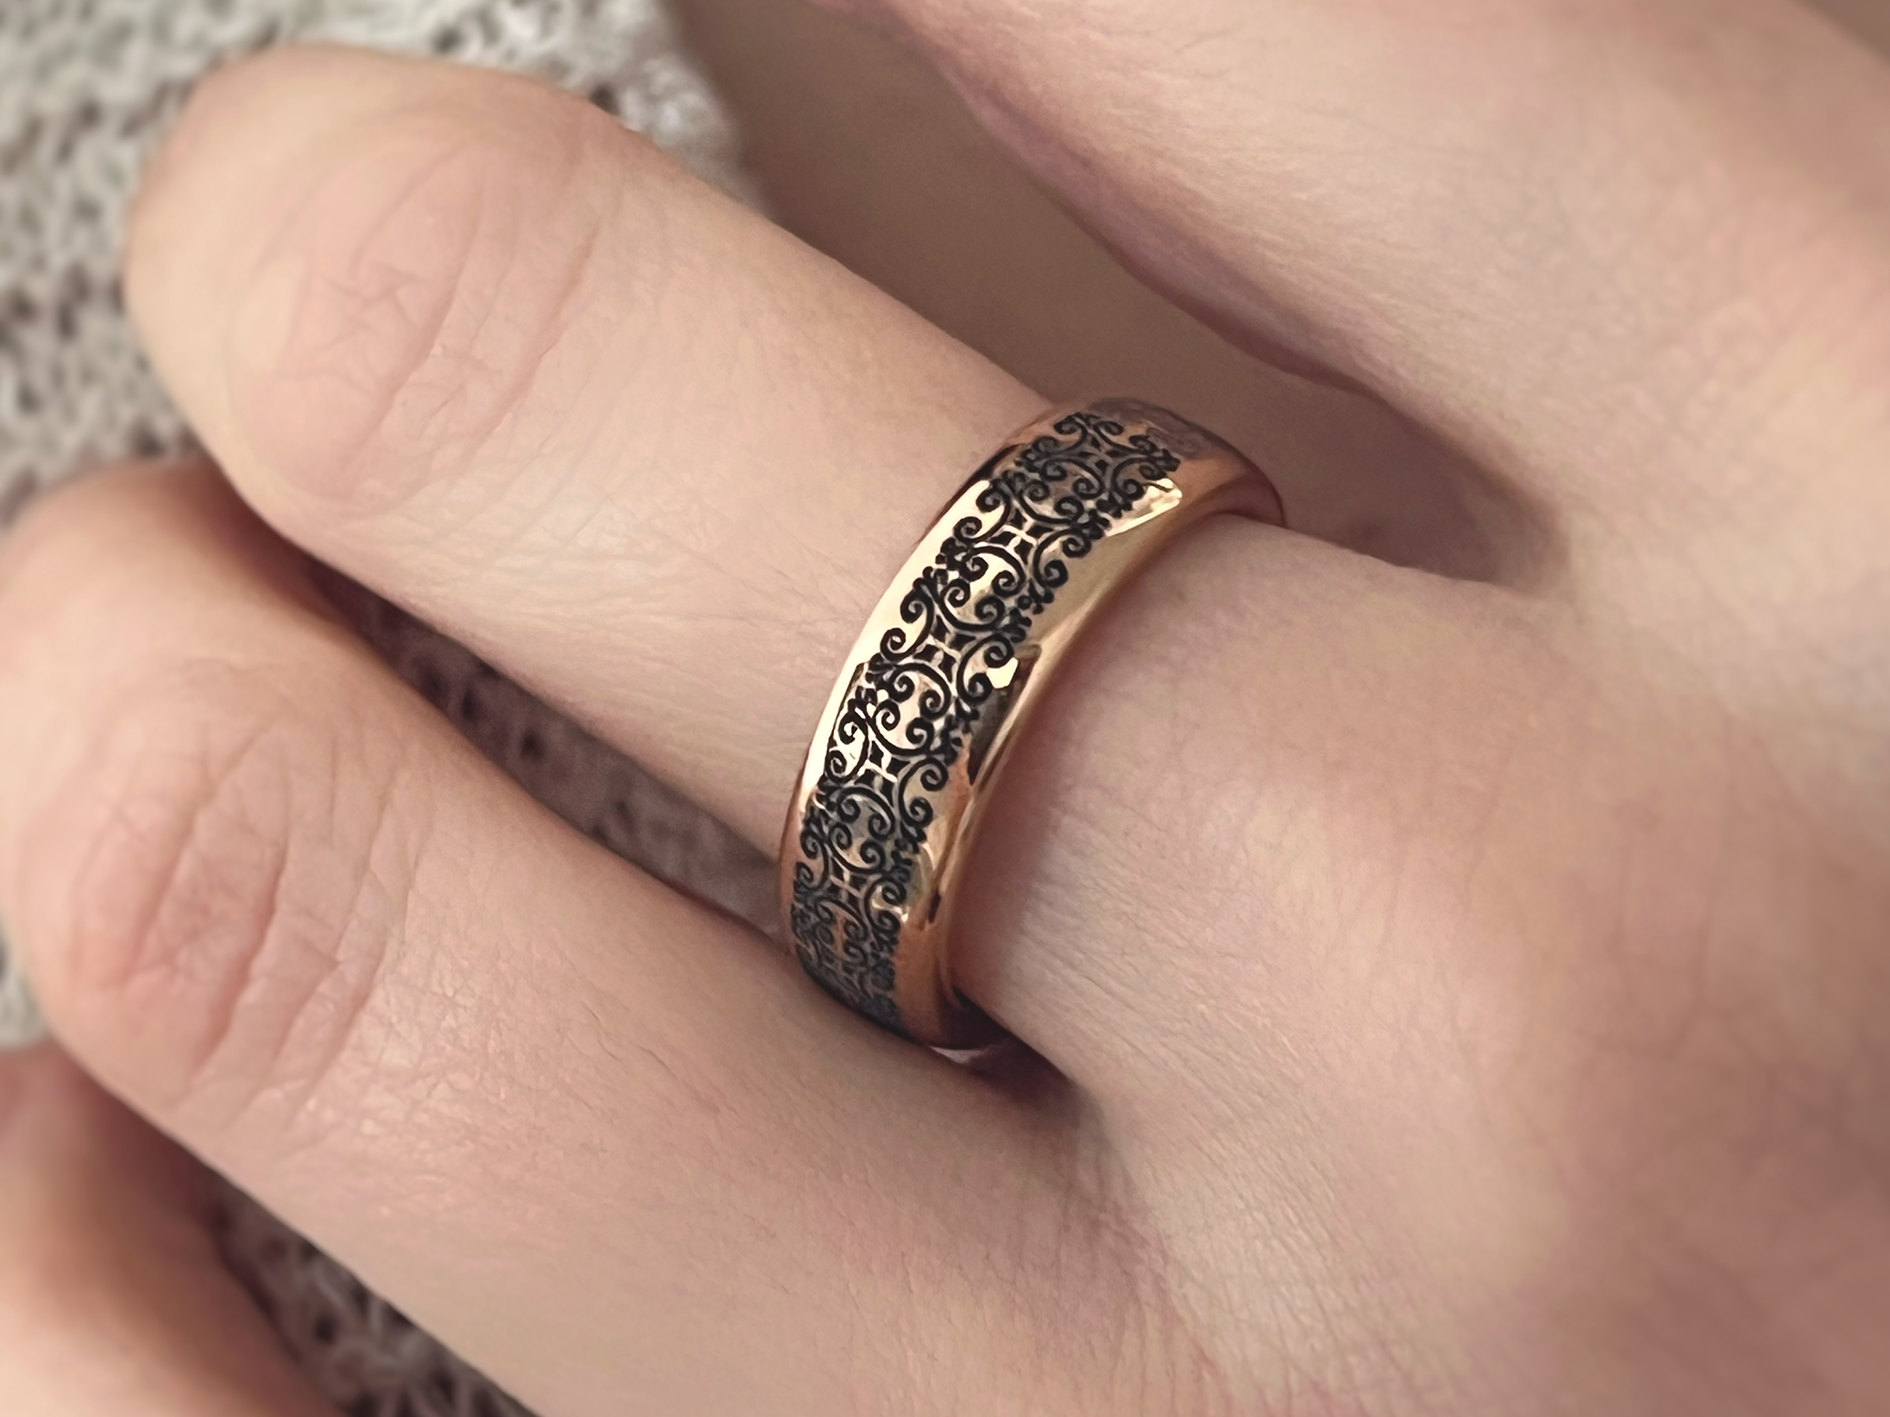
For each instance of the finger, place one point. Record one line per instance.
(113, 1298)
(1632, 255)
(688, 496)
(678, 534)
(604, 1142)
(506, 363)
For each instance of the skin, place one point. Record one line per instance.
(115, 1299)
(1450, 995)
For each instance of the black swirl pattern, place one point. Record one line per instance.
(914, 707)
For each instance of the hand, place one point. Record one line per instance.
(1460, 996)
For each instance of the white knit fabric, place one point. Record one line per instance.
(86, 88)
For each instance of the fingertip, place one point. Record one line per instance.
(344, 263)
(192, 216)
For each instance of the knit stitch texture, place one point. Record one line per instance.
(87, 87)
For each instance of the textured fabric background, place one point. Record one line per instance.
(86, 88)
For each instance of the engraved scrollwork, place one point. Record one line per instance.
(915, 705)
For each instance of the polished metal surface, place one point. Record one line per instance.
(944, 676)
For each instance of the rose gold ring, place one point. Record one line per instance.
(943, 677)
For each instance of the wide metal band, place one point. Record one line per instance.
(943, 677)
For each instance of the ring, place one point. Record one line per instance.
(942, 679)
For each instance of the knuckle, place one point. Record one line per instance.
(71, 573)
(215, 892)
(393, 323)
